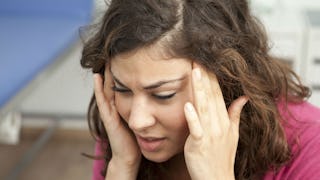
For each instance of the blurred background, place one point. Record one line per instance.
(43, 129)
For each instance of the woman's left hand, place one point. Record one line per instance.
(210, 148)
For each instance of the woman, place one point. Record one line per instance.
(186, 89)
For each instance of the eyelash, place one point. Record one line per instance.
(154, 95)
(164, 97)
(114, 88)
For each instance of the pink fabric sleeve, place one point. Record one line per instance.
(305, 163)
(98, 165)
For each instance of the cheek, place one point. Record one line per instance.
(123, 106)
(175, 126)
(172, 116)
(176, 112)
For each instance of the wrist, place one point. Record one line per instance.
(122, 171)
(225, 177)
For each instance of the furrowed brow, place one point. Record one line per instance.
(160, 83)
(151, 86)
(118, 81)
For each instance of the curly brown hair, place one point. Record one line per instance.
(226, 39)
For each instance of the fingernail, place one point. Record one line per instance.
(197, 73)
(95, 75)
(245, 100)
(189, 107)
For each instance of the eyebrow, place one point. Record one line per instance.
(153, 85)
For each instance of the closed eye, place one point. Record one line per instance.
(163, 97)
(160, 97)
(121, 90)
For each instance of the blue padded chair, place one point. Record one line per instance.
(33, 34)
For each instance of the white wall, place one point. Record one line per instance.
(292, 36)
(66, 90)
(286, 4)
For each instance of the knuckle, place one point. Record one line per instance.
(202, 110)
(218, 133)
(197, 136)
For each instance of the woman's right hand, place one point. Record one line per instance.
(126, 155)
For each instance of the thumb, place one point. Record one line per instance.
(235, 109)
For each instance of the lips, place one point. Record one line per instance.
(150, 144)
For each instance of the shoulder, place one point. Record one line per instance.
(303, 111)
(302, 127)
(301, 121)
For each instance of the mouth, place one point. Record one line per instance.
(150, 144)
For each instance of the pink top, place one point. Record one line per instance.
(305, 164)
(306, 160)
(98, 165)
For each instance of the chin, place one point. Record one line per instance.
(157, 157)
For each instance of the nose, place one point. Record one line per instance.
(141, 116)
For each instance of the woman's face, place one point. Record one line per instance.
(150, 93)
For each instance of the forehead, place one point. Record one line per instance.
(148, 64)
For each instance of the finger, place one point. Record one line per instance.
(216, 90)
(205, 101)
(218, 114)
(235, 109)
(200, 96)
(107, 111)
(108, 83)
(109, 93)
(102, 103)
(213, 81)
(218, 99)
(193, 121)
